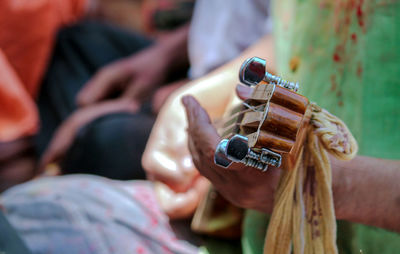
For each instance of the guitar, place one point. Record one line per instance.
(267, 129)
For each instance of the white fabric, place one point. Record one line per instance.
(222, 29)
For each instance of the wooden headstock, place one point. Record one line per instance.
(268, 125)
(267, 129)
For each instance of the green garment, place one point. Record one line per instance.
(346, 56)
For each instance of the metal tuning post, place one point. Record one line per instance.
(236, 149)
(254, 70)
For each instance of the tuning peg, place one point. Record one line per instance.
(220, 157)
(237, 149)
(254, 70)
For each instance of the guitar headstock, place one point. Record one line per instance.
(269, 124)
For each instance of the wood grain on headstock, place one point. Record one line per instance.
(275, 118)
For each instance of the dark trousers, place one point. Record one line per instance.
(111, 145)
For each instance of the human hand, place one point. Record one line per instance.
(243, 186)
(135, 78)
(66, 133)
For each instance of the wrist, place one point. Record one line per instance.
(165, 56)
(341, 187)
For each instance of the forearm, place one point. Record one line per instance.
(367, 190)
(173, 47)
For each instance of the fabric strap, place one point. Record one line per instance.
(303, 213)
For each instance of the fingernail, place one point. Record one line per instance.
(243, 91)
(242, 88)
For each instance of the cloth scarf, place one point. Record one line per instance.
(303, 215)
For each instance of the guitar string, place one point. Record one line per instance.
(226, 120)
(221, 124)
(249, 108)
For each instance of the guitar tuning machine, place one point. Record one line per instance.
(254, 70)
(236, 149)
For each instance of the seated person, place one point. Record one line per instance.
(43, 94)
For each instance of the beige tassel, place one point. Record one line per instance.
(303, 214)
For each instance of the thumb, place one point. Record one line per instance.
(196, 115)
(202, 134)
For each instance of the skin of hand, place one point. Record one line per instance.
(66, 133)
(137, 76)
(166, 158)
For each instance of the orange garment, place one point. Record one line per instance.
(27, 33)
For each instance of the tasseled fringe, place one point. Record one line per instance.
(303, 214)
